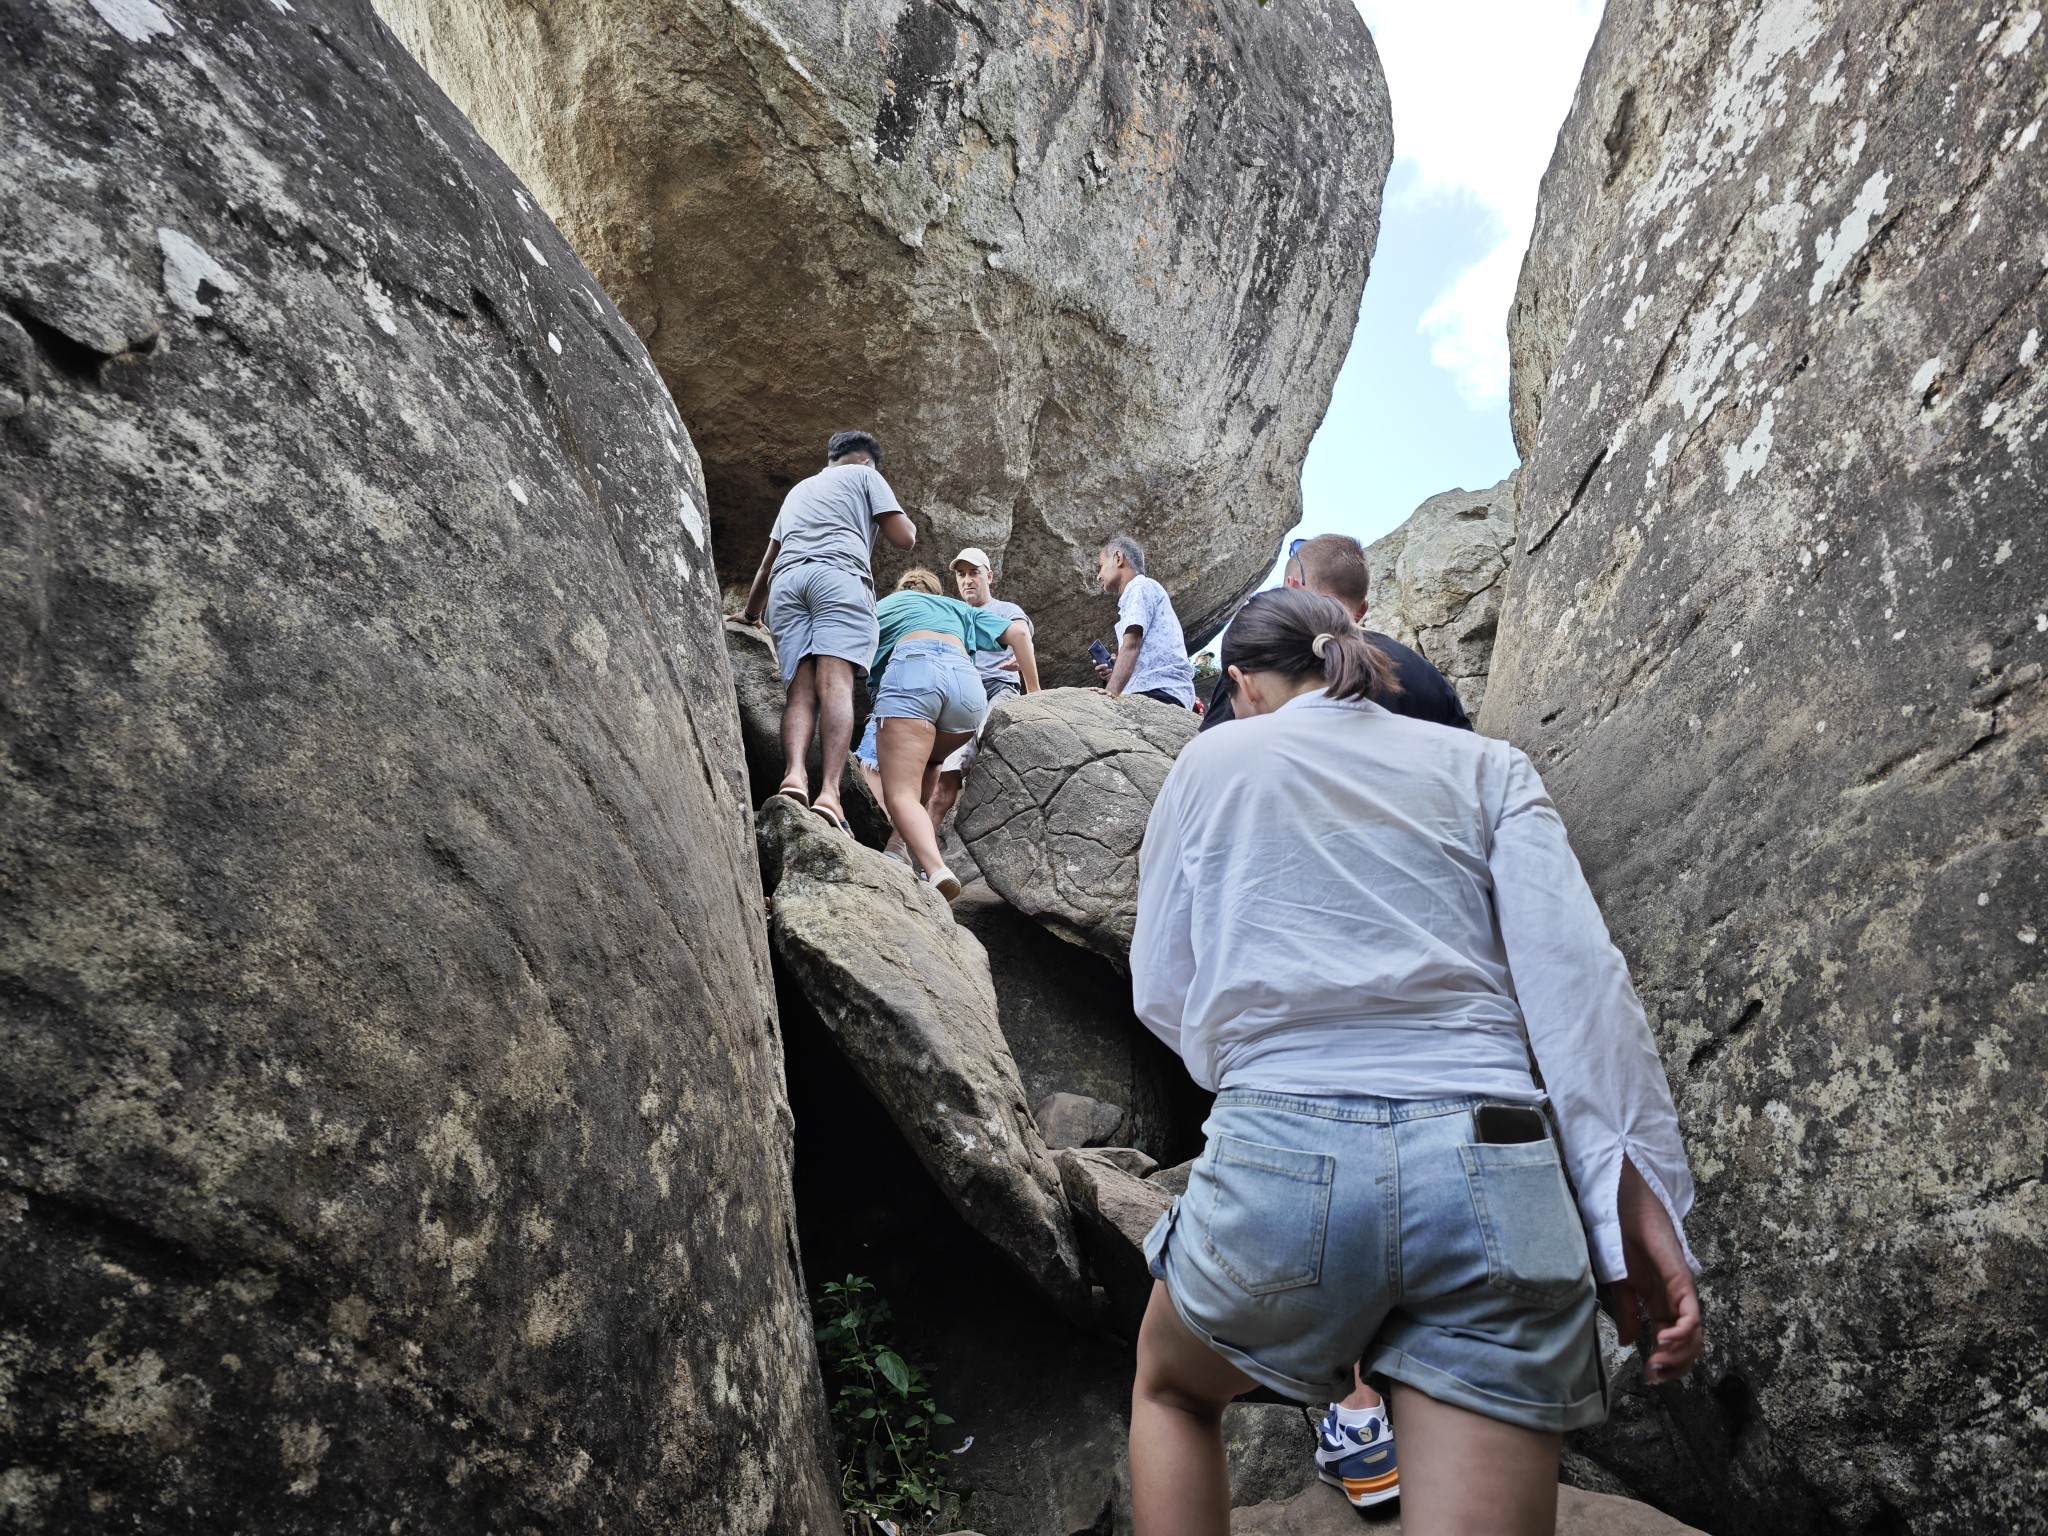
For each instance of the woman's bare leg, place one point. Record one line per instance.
(1463, 1474)
(904, 746)
(1179, 1484)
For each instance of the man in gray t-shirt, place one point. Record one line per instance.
(818, 591)
(974, 578)
(831, 517)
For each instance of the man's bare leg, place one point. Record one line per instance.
(799, 714)
(835, 729)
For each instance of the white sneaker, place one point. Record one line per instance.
(1359, 1458)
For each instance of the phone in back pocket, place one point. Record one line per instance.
(1508, 1124)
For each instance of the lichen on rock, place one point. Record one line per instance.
(1774, 635)
(393, 1131)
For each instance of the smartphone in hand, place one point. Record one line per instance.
(1098, 653)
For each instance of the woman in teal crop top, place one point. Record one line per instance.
(929, 700)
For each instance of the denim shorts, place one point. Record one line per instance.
(1318, 1232)
(821, 610)
(962, 757)
(934, 681)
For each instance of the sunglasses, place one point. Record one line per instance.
(1294, 547)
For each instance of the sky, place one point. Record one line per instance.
(1480, 89)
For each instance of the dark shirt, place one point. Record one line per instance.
(1426, 694)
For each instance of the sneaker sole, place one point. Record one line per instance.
(1365, 1492)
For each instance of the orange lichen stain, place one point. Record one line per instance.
(1054, 32)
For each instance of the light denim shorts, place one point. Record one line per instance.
(962, 757)
(1318, 1232)
(931, 680)
(821, 610)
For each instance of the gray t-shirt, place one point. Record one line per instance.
(990, 663)
(1162, 650)
(830, 518)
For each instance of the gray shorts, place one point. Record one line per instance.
(821, 610)
(933, 681)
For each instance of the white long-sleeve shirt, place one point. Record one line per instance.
(1334, 899)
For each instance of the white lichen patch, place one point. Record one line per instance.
(187, 267)
(350, 1317)
(2018, 33)
(378, 303)
(134, 1399)
(1834, 251)
(592, 643)
(136, 20)
(1741, 463)
(555, 1310)
(302, 1447)
(24, 1491)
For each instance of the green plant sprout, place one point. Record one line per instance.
(891, 1476)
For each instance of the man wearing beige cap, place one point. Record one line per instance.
(974, 579)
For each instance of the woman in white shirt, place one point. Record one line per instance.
(1359, 928)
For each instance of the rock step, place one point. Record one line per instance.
(1323, 1511)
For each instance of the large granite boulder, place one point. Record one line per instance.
(1057, 803)
(1067, 1018)
(1438, 580)
(905, 995)
(1085, 267)
(392, 1131)
(1775, 637)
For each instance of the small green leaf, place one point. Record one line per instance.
(891, 1365)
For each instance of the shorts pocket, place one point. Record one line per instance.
(1263, 1213)
(1535, 1244)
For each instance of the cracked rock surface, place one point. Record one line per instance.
(392, 1130)
(1057, 803)
(1085, 267)
(1438, 580)
(906, 996)
(1067, 1017)
(1775, 637)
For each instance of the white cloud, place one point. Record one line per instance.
(1480, 89)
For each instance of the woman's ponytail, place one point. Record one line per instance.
(1355, 668)
(1297, 633)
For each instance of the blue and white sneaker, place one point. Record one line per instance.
(1359, 1458)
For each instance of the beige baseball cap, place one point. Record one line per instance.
(972, 556)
